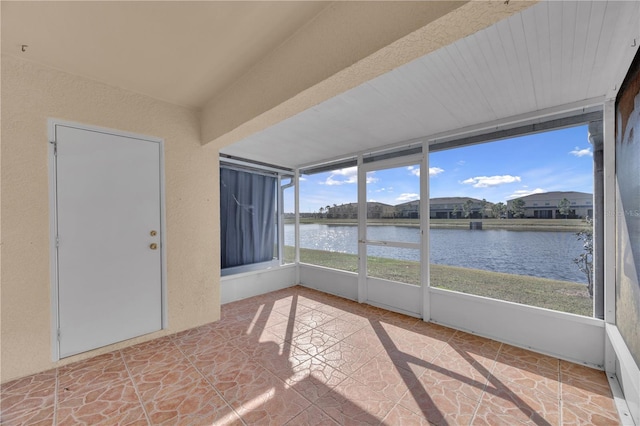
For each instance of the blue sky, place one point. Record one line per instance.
(561, 160)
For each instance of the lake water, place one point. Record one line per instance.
(536, 253)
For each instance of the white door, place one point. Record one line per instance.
(109, 260)
(391, 253)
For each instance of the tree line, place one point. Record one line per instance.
(467, 210)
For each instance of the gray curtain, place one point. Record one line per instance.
(247, 217)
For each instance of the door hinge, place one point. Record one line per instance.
(58, 335)
(57, 241)
(55, 147)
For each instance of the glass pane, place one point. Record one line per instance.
(393, 197)
(394, 264)
(333, 246)
(510, 220)
(329, 219)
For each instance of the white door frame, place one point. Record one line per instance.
(53, 222)
(364, 241)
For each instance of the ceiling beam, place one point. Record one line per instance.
(347, 44)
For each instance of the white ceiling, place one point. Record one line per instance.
(183, 52)
(551, 54)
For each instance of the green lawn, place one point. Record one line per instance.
(541, 292)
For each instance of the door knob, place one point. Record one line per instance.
(153, 233)
(153, 246)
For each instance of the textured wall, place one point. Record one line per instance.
(30, 95)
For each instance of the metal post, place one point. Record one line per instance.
(596, 138)
(296, 180)
(609, 225)
(362, 232)
(424, 237)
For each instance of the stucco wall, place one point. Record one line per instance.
(30, 95)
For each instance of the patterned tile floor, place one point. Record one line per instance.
(301, 357)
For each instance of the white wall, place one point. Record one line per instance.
(248, 284)
(332, 281)
(626, 371)
(567, 336)
(570, 337)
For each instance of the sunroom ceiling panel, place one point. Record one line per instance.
(565, 48)
(459, 93)
(349, 112)
(285, 148)
(494, 68)
(620, 31)
(580, 59)
(365, 102)
(414, 95)
(517, 67)
(471, 74)
(549, 55)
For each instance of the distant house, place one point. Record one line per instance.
(408, 210)
(453, 208)
(343, 211)
(539, 206)
(546, 205)
(444, 208)
(375, 210)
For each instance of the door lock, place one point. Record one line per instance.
(153, 233)
(153, 246)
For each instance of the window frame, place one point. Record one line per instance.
(279, 174)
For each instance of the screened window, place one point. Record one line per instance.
(329, 219)
(502, 246)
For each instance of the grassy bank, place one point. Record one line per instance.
(541, 292)
(568, 225)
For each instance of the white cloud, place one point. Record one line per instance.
(489, 181)
(581, 152)
(408, 196)
(524, 192)
(349, 171)
(302, 178)
(342, 176)
(433, 171)
(372, 179)
(460, 163)
(331, 181)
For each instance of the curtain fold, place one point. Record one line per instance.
(247, 217)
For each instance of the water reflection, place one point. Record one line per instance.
(542, 254)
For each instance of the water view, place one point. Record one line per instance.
(544, 254)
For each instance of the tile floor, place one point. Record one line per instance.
(301, 357)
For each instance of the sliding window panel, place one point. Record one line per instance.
(512, 220)
(329, 219)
